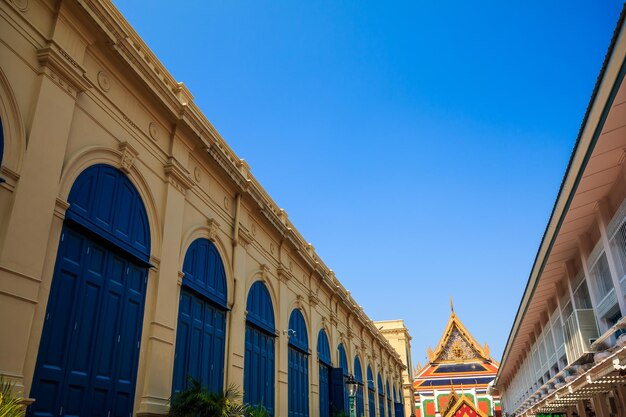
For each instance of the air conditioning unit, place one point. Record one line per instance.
(580, 330)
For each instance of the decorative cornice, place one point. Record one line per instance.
(244, 236)
(62, 69)
(130, 50)
(284, 274)
(178, 176)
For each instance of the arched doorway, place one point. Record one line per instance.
(298, 361)
(201, 330)
(358, 375)
(325, 366)
(381, 398)
(259, 355)
(89, 349)
(371, 401)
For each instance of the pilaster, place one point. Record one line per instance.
(25, 245)
(162, 298)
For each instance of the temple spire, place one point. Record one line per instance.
(451, 305)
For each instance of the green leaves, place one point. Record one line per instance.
(10, 405)
(197, 401)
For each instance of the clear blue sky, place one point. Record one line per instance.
(418, 145)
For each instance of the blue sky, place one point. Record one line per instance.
(418, 145)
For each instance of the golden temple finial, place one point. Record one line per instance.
(451, 305)
(431, 354)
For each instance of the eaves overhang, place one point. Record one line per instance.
(606, 88)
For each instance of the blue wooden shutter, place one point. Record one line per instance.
(337, 390)
(89, 349)
(201, 330)
(358, 375)
(343, 364)
(381, 397)
(259, 349)
(388, 400)
(325, 364)
(298, 372)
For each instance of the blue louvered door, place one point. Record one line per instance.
(324, 390)
(298, 383)
(259, 369)
(371, 402)
(259, 362)
(200, 342)
(90, 343)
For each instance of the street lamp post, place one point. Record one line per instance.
(352, 384)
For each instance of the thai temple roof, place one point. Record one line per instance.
(457, 379)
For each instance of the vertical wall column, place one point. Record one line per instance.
(600, 405)
(24, 248)
(158, 341)
(236, 348)
(282, 350)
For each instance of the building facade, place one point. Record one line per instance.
(565, 354)
(459, 367)
(136, 249)
(398, 335)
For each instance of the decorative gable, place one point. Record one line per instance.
(457, 348)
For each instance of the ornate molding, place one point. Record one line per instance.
(313, 299)
(265, 272)
(284, 274)
(60, 208)
(299, 299)
(333, 318)
(127, 157)
(245, 237)
(350, 333)
(214, 228)
(178, 176)
(62, 69)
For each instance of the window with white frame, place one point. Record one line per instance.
(601, 275)
(582, 299)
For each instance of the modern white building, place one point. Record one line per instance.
(565, 354)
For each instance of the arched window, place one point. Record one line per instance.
(371, 402)
(343, 364)
(358, 375)
(298, 361)
(325, 366)
(91, 338)
(259, 357)
(381, 397)
(201, 330)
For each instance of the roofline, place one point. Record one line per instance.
(533, 277)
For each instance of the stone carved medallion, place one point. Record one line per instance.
(153, 130)
(103, 81)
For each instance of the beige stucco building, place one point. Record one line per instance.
(398, 335)
(96, 132)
